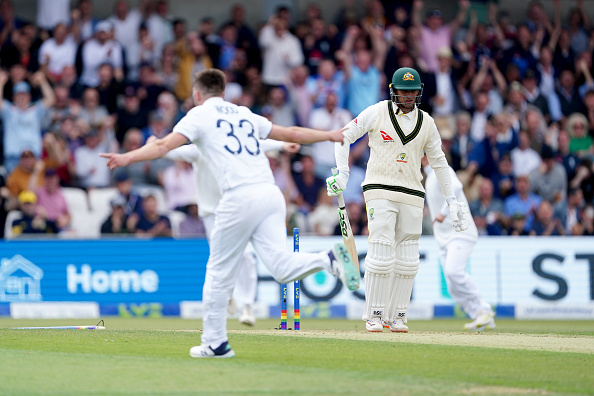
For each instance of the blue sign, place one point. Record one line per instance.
(162, 271)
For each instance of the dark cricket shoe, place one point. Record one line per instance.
(343, 267)
(204, 351)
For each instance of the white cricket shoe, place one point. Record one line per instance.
(374, 325)
(232, 306)
(247, 316)
(204, 351)
(397, 326)
(343, 267)
(483, 321)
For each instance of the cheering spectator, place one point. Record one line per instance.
(52, 201)
(327, 118)
(281, 111)
(299, 95)
(281, 51)
(32, 222)
(327, 80)
(83, 21)
(126, 23)
(22, 120)
(57, 53)
(97, 51)
(436, 35)
(193, 58)
(524, 158)
(566, 98)
(480, 115)
(131, 115)
(151, 223)
(533, 95)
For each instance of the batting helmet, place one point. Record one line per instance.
(406, 79)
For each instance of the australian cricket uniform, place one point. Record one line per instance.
(455, 247)
(251, 208)
(394, 198)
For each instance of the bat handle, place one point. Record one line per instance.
(340, 200)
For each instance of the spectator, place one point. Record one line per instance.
(318, 44)
(108, 88)
(480, 115)
(523, 202)
(281, 111)
(92, 112)
(167, 69)
(117, 221)
(180, 185)
(192, 225)
(536, 128)
(8, 21)
(299, 94)
(503, 180)
(357, 218)
(589, 104)
(487, 210)
(323, 220)
(462, 144)
(168, 107)
(27, 175)
(517, 225)
(142, 173)
(588, 221)
(31, 222)
(547, 72)
(568, 160)
(97, 51)
(56, 155)
(445, 102)
(545, 223)
(533, 95)
(516, 106)
(580, 142)
(489, 79)
(520, 54)
(57, 53)
(571, 214)
(156, 127)
(308, 184)
(133, 201)
(126, 23)
(51, 200)
(327, 118)
(90, 168)
(549, 180)
(131, 115)
(584, 179)
(363, 80)
(22, 120)
(436, 35)
(149, 88)
(56, 114)
(566, 99)
(84, 24)
(579, 24)
(327, 80)
(228, 43)
(151, 223)
(281, 51)
(506, 136)
(20, 50)
(192, 58)
(524, 158)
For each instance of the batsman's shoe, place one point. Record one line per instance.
(247, 316)
(484, 321)
(343, 267)
(374, 325)
(397, 326)
(204, 351)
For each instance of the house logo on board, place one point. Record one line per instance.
(20, 280)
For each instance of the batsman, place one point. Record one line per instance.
(399, 134)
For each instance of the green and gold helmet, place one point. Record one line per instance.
(406, 79)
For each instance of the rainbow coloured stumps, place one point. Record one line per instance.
(296, 289)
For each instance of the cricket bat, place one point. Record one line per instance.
(345, 227)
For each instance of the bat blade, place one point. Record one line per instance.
(346, 231)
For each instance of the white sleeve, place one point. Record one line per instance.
(186, 127)
(266, 36)
(262, 126)
(438, 162)
(356, 129)
(187, 153)
(458, 193)
(271, 145)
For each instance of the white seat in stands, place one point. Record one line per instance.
(10, 217)
(100, 202)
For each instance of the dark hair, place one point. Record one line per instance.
(210, 82)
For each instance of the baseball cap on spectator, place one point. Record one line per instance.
(27, 196)
(118, 201)
(21, 87)
(104, 26)
(122, 177)
(434, 13)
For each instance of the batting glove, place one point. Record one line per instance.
(336, 184)
(459, 213)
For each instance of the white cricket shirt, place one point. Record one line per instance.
(229, 137)
(444, 231)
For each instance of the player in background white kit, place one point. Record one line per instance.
(208, 196)
(252, 207)
(399, 134)
(455, 248)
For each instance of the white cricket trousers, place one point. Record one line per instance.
(463, 290)
(256, 213)
(246, 287)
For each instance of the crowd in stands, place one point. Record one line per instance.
(513, 102)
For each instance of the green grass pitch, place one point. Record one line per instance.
(146, 356)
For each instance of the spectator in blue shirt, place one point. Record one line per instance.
(151, 223)
(523, 202)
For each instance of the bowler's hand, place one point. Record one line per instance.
(115, 160)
